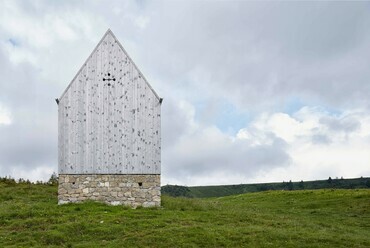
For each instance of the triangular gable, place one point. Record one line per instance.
(109, 32)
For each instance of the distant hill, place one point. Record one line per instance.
(225, 190)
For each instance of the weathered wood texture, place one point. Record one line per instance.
(109, 117)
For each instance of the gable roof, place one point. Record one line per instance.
(109, 32)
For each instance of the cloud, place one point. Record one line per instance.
(273, 147)
(29, 140)
(313, 154)
(239, 82)
(247, 51)
(346, 124)
(204, 151)
(5, 116)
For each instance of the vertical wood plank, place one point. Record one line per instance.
(109, 128)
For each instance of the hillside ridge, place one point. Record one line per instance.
(225, 190)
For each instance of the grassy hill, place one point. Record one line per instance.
(30, 217)
(225, 190)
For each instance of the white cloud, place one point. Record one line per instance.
(19, 55)
(273, 147)
(318, 149)
(142, 21)
(39, 173)
(252, 55)
(204, 154)
(5, 116)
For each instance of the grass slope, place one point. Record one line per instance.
(225, 190)
(30, 217)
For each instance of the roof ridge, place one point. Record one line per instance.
(109, 31)
(137, 68)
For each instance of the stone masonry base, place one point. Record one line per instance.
(129, 190)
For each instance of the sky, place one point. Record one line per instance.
(253, 91)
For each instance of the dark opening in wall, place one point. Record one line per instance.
(73, 182)
(140, 184)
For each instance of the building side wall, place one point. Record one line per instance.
(109, 126)
(129, 190)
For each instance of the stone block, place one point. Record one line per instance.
(111, 189)
(148, 204)
(115, 203)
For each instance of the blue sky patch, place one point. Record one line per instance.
(293, 104)
(223, 114)
(13, 42)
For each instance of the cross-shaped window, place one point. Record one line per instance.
(109, 78)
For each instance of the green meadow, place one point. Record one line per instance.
(30, 217)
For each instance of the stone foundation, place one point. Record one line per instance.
(129, 190)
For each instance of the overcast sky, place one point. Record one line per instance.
(253, 91)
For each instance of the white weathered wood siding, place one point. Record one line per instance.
(109, 117)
